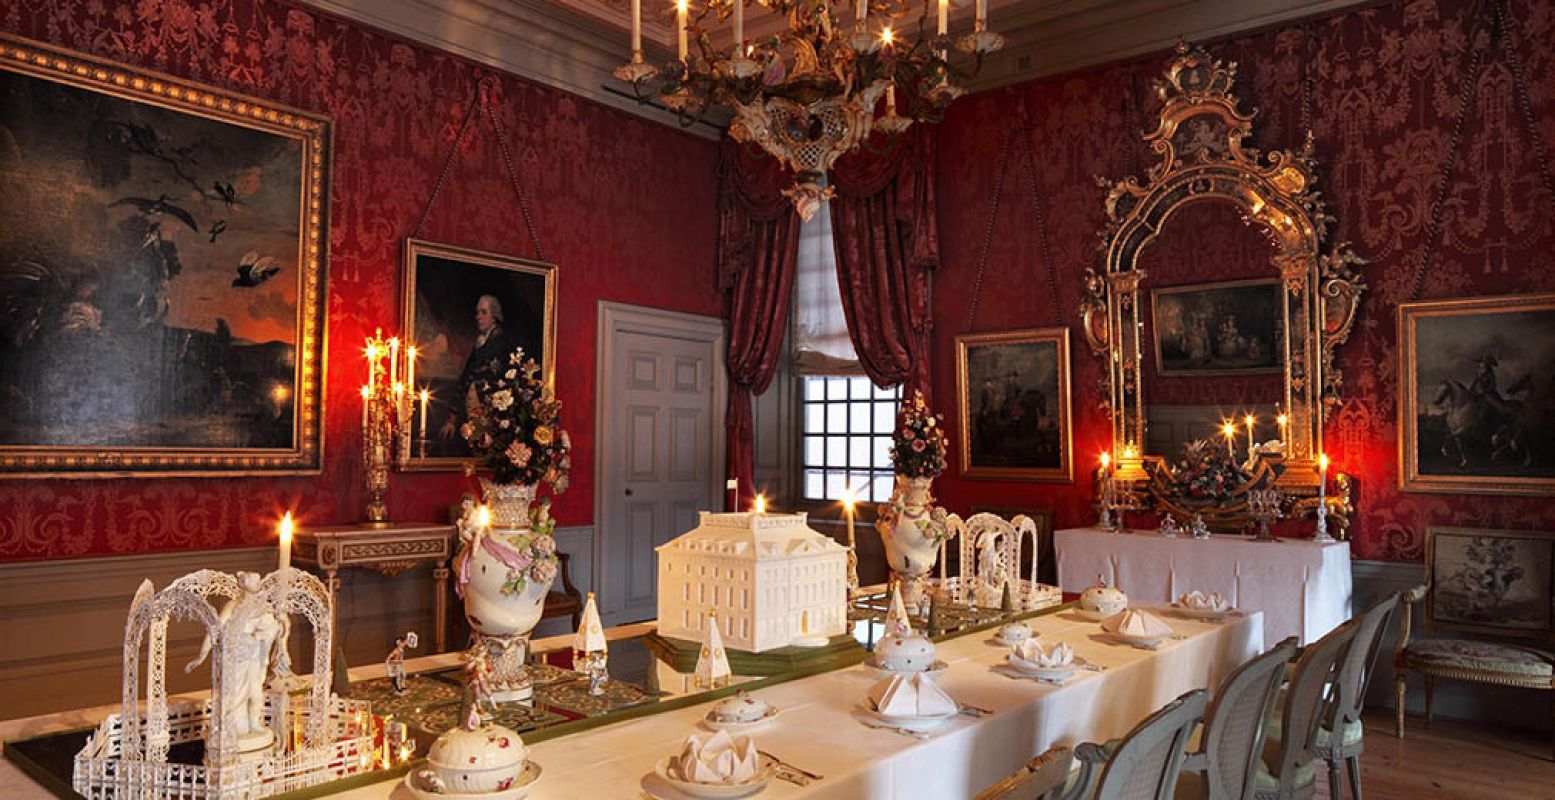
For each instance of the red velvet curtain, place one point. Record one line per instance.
(758, 239)
(887, 245)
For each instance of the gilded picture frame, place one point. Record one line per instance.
(442, 288)
(1477, 395)
(163, 249)
(1013, 405)
(1493, 582)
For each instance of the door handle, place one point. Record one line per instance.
(628, 491)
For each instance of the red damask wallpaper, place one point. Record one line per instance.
(625, 207)
(1381, 87)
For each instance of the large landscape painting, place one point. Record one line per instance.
(1478, 402)
(161, 274)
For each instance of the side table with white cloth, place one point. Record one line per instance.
(1302, 587)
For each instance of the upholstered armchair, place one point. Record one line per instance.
(1500, 663)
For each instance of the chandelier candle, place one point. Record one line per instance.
(637, 26)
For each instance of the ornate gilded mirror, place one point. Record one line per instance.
(1311, 287)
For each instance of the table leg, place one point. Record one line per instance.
(440, 607)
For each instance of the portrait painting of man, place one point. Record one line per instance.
(1013, 404)
(468, 312)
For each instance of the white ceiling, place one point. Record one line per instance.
(574, 44)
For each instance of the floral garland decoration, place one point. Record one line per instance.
(515, 430)
(918, 444)
(1205, 475)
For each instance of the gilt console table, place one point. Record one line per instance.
(390, 550)
(1302, 587)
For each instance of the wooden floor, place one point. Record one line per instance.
(1451, 759)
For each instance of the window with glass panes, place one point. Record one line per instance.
(847, 438)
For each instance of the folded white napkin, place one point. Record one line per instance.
(1199, 600)
(1031, 651)
(911, 696)
(717, 759)
(1137, 624)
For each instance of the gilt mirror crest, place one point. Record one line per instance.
(1201, 143)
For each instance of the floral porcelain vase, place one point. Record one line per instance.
(912, 529)
(506, 568)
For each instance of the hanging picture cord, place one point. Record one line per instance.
(1033, 189)
(1500, 35)
(482, 102)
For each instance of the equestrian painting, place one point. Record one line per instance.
(1479, 395)
(1013, 404)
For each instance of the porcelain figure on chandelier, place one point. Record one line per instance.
(912, 529)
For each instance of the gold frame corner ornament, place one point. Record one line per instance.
(1059, 336)
(314, 132)
(1199, 141)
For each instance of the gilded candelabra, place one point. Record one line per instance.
(388, 407)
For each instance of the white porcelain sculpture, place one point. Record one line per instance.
(505, 569)
(590, 650)
(712, 659)
(912, 530)
(771, 579)
(1101, 601)
(247, 723)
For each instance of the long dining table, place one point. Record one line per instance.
(819, 727)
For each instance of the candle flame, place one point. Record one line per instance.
(399, 388)
(424, 395)
(1229, 428)
(847, 498)
(682, 5)
(1250, 420)
(286, 527)
(761, 504)
(1129, 451)
(372, 351)
(412, 351)
(1282, 419)
(366, 392)
(1322, 461)
(1106, 458)
(483, 516)
(887, 37)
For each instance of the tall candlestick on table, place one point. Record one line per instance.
(286, 540)
(1322, 500)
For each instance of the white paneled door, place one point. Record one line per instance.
(660, 445)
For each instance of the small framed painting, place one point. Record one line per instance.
(1500, 583)
(467, 311)
(1226, 328)
(1477, 395)
(1012, 395)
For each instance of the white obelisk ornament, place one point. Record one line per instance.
(712, 661)
(591, 634)
(896, 619)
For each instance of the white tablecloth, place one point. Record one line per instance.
(1302, 588)
(816, 729)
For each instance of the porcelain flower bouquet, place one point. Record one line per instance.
(918, 444)
(515, 430)
(1205, 476)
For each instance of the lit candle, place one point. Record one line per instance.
(372, 366)
(1229, 429)
(1106, 463)
(286, 540)
(483, 516)
(1284, 432)
(394, 359)
(681, 9)
(887, 37)
(847, 510)
(982, 14)
(1251, 421)
(367, 394)
(739, 23)
(637, 26)
(410, 366)
(861, 10)
(761, 504)
(425, 395)
(1322, 474)
(944, 17)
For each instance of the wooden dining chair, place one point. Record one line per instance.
(1145, 764)
(1288, 769)
(1225, 766)
(1340, 737)
(1042, 778)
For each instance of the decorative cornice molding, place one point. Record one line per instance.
(574, 44)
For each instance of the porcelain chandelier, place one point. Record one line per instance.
(810, 93)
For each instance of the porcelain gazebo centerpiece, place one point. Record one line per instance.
(508, 560)
(910, 526)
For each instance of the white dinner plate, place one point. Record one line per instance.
(764, 774)
(739, 727)
(526, 782)
(1031, 670)
(912, 723)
